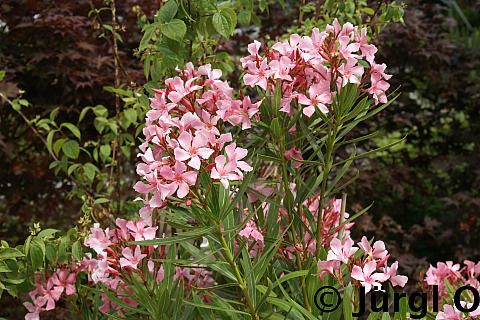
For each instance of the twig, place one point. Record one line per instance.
(99, 18)
(318, 6)
(300, 15)
(30, 125)
(117, 98)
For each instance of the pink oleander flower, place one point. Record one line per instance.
(257, 75)
(449, 313)
(140, 232)
(351, 73)
(192, 148)
(131, 260)
(62, 280)
(367, 278)
(472, 268)
(251, 231)
(34, 308)
(327, 267)
(281, 68)
(378, 88)
(184, 128)
(378, 251)
(47, 292)
(436, 276)
(396, 280)
(341, 251)
(224, 172)
(318, 97)
(334, 56)
(236, 155)
(99, 239)
(294, 154)
(180, 180)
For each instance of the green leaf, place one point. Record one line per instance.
(37, 253)
(161, 241)
(233, 17)
(174, 29)
(2, 75)
(58, 145)
(101, 200)
(72, 128)
(71, 149)
(49, 140)
(72, 168)
(147, 35)
(83, 113)
(99, 123)
(4, 267)
(222, 22)
(245, 17)
(368, 11)
(105, 151)
(212, 307)
(46, 233)
(131, 115)
(77, 250)
(89, 169)
(347, 303)
(10, 253)
(50, 252)
(53, 113)
(168, 11)
(100, 111)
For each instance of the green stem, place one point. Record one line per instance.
(331, 134)
(241, 281)
(292, 227)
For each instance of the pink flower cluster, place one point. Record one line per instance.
(185, 135)
(369, 269)
(116, 259)
(312, 69)
(331, 227)
(457, 277)
(450, 312)
(49, 289)
(330, 223)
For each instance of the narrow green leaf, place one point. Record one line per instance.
(347, 303)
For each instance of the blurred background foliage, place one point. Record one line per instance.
(59, 58)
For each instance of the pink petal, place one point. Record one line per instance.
(182, 190)
(357, 273)
(185, 140)
(181, 155)
(190, 177)
(195, 162)
(205, 153)
(308, 111)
